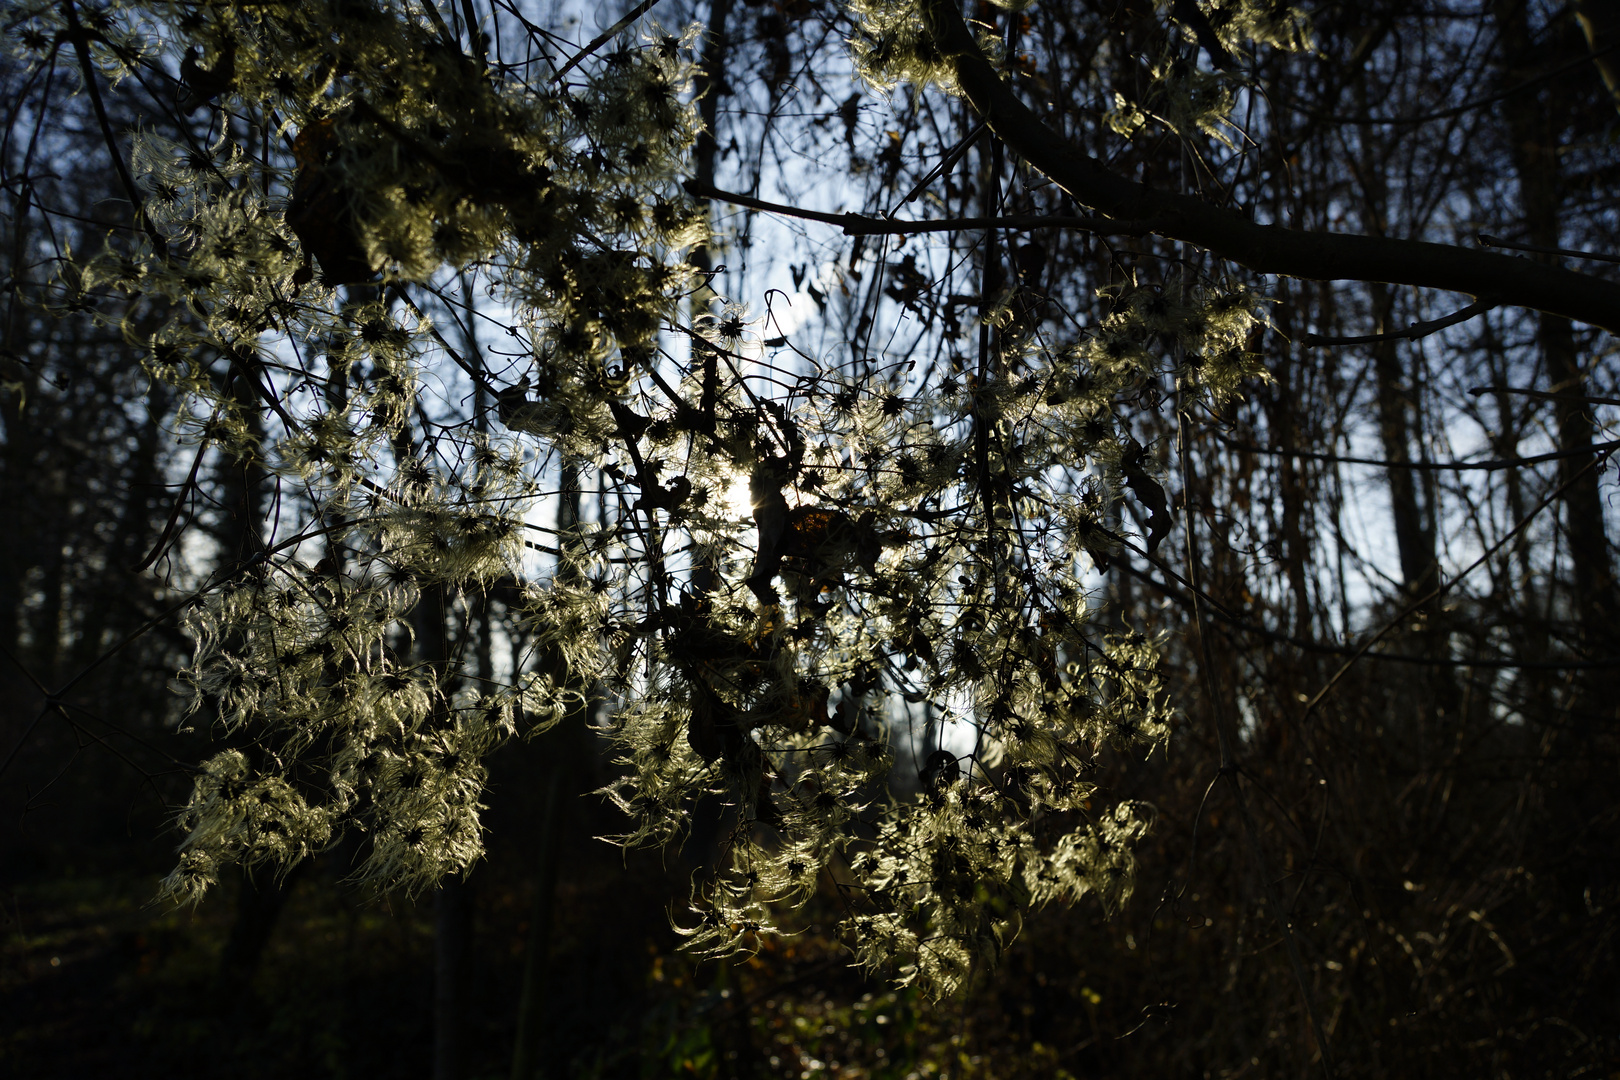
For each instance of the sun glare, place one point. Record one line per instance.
(738, 502)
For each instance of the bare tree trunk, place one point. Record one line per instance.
(562, 744)
(1282, 414)
(710, 87)
(1396, 392)
(1414, 543)
(532, 997)
(452, 921)
(708, 816)
(1535, 125)
(259, 902)
(140, 518)
(452, 933)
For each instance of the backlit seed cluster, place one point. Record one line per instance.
(903, 549)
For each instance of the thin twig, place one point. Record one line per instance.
(1493, 242)
(1445, 586)
(475, 373)
(212, 583)
(865, 225)
(79, 36)
(942, 166)
(1493, 465)
(1229, 767)
(1456, 110)
(1220, 614)
(1546, 396)
(27, 733)
(602, 39)
(163, 540)
(1416, 330)
(54, 701)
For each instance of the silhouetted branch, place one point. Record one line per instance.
(1416, 330)
(1265, 249)
(1487, 240)
(864, 225)
(1543, 395)
(1418, 466)
(602, 39)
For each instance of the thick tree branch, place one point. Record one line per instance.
(1266, 249)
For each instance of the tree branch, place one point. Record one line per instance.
(942, 166)
(81, 49)
(1487, 240)
(602, 39)
(1326, 648)
(1445, 586)
(1542, 395)
(1416, 330)
(1265, 249)
(1419, 466)
(1455, 110)
(863, 225)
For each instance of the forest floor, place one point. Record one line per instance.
(97, 981)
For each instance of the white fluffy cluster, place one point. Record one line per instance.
(902, 551)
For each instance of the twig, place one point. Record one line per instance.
(79, 35)
(476, 374)
(163, 540)
(864, 225)
(1230, 769)
(1445, 586)
(1546, 396)
(602, 39)
(1222, 615)
(1456, 110)
(1493, 242)
(1416, 330)
(1494, 465)
(244, 362)
(951, 157)
(54, 701)
(27, 733)
(213, 582)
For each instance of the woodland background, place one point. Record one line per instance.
(1441, 828)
